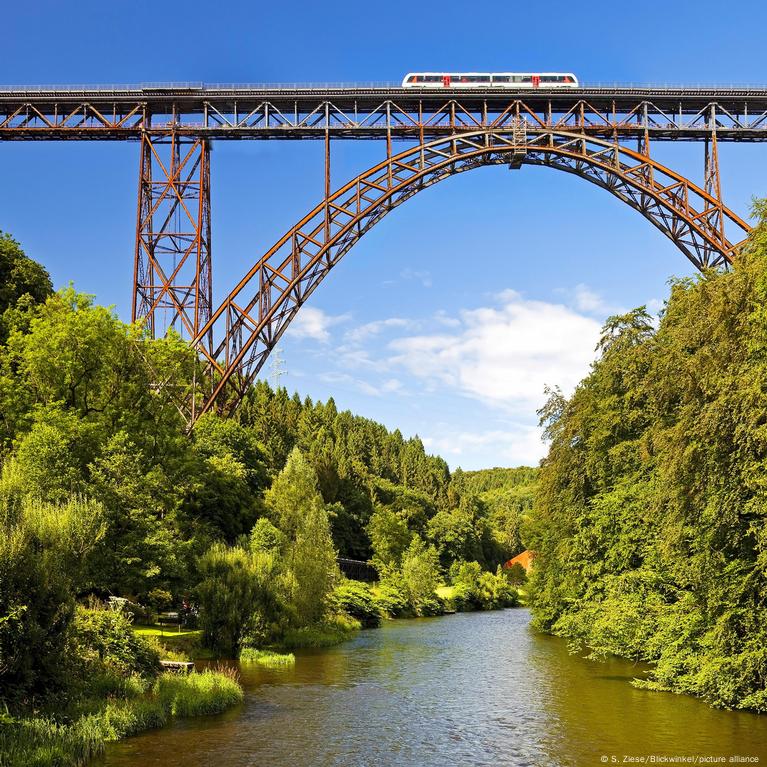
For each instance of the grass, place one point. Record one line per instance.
(267, 657)
(166, 632)
(445, 592)
(173, 644)
(43, 742)
(210, 692)
(331, 632)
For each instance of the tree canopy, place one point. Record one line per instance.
(649, 523)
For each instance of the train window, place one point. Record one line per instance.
(501, 79)
(430, 78)
(413, 79)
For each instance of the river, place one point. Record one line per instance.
(467, 690)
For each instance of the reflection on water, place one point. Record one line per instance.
(468, 689)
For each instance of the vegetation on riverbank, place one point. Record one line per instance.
(267, 658)
(649, 526)
(83, 732)
(110, 686)
(104, 493)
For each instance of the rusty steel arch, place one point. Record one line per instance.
(253, 317)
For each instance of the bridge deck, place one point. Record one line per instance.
(238, 112)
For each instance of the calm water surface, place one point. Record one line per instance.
(467, 689)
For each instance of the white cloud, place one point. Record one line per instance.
(363, 332)
(520, 445)
(314, 324)
(442, 318)
(504, 355)
(387, 386)
(585, 299)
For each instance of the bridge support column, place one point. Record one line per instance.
(713, 184)
(172, 269)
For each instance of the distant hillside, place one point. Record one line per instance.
(508, 495)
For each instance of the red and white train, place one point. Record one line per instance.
(510, 80)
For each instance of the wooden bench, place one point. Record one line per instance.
(177, 666)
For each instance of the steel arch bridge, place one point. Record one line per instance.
(255, 314)
(585, 132)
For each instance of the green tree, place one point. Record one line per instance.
(82, 359)
(648, 525)
(311, 565)
(143, 549)
(292, 494)
(299, 512)
(236, 595)
(20, 278)
(390, 537)
(44, 552)
(421, 576)
(459, 534)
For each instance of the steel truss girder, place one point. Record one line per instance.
(172, 266)
(251, 320)
(403, 115)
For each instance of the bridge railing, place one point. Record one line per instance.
(195, 86)
(176, 87)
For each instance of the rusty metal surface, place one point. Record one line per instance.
(250, 321)
(172, 261)
(602, 134)
(668, 114)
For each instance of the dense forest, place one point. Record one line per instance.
(649, 522)
(104, 493)
(647, 518)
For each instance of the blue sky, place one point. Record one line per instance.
(451, 315)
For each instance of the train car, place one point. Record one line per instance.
(490, 80)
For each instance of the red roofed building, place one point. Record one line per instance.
(525, 559)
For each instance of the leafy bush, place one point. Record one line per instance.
(266, 537)
(356, 599)
(420, 577)
(476, 589)
(160, 599)
(391, 599)
(43, 550)
(516, 574)
(330, 632)
(104, 639)
(236, 595)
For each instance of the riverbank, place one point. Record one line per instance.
(360, 605)
(74, 738)
(474, 689)
(125, 705)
